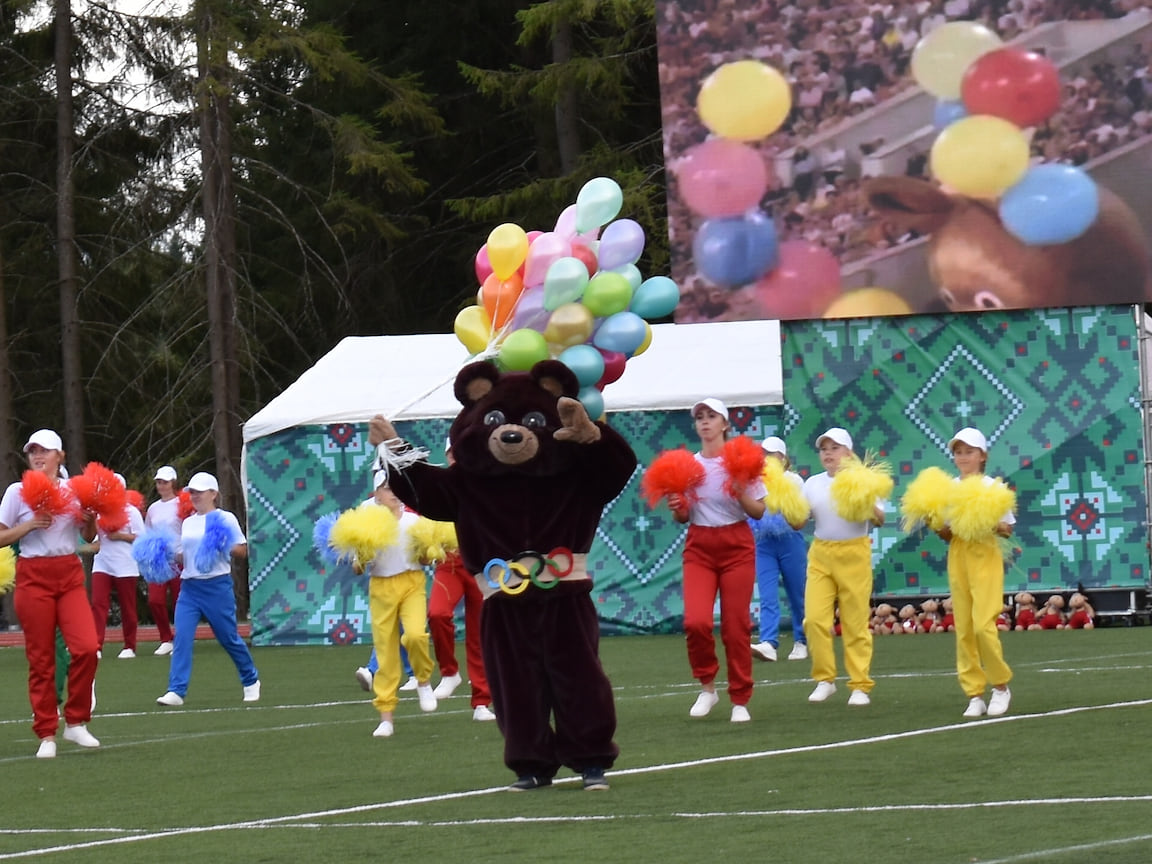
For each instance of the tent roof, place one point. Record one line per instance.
(410, 377)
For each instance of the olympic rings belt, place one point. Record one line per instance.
(514, 575)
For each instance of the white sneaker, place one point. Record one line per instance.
(126, 654)
(976, 707)
(79, 734)
(799, 652)
(740, 714)
(823, 690)
(384, 730)
(365, 678)
(426, 696)
(858, 698)
(483, 713)
(47, 749)
(447, 686)
(410, 684)
(704, 703)
(175, 700)
(163, 648)
(99, 654)
(252, 691)
(999, 702)
(763, 650)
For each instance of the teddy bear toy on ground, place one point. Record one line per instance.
(1004, 619)
(948, 622)
(909, 624)
(1026, 612)
(1081, 614)
(1052, 615)
(885, 622)
(930, 619)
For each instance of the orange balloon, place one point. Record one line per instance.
(499, 297)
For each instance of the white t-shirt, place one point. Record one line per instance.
(59, 538)
(192, 532)
(830, 525)
(115, 556)
(714, 507)
(396, 559)
(164, 514)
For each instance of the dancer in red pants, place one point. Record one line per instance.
(114, 566)
(164, 514)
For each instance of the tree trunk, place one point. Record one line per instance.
(73, 387)
(10, 467)
(567, 104)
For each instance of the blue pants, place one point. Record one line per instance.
(784, 555)
(374, 664)
(214, 599)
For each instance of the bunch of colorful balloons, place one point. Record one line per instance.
(723, 181)
(573, 293)
(988, 95)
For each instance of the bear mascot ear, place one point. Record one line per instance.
(908, 203)
(556, 378)
(475, 381)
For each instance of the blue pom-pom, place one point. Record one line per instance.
(155, 552)
(770, 525)
(216, 544)
(321, 534)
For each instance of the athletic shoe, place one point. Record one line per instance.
(764, 651)
(99, 654)
(528, 782)
(252, 691)
(384, 730)
(47, 749)
(410, 684)
(483, 713)
(859, 698)
(999, 702)
(426, 696)
(126, 654)
(823, 690)
(594, 780)
(704, 703)
(175, 700)
(976, 707)
(799, 652)
(163, 648)
(79, 734)
(365, 678)
(740, 714)
(447, 686)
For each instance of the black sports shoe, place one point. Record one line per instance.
(594, 779)
(528, 782)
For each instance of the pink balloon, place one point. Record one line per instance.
(532, 235)
(482, 264)
(544, 251)
(805, 280)
(566, 226)
(614, 363)
(722, 177)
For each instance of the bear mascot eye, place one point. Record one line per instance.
(494, 418)
(533, 420)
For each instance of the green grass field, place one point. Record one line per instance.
(298, 777)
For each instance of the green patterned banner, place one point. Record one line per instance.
(1056, 391)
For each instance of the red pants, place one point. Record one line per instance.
(451, 582)
(158, 594)
(102, 600)
(49, 594)
(720, 561)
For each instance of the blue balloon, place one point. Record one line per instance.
(586, 363)
(734, 251)
(593, 401)
(623, 332)
(1051, 204)
(948, 112)
(657, 297)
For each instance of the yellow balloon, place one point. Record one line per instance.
(507, 249)
(647, 340)
(980, 156)
(941, 58)
(866, 302)
(745, 100)
(570, 324)
(473, 328)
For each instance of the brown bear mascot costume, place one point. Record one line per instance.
(531, 478)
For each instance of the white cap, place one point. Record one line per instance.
(379, 478)
(971, 436)
(836, 435)
(715, 404)
(120, 479)
(202, 481)
(166, 473)
(46, 438)
(772, 444)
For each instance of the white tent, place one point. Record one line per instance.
(410, 377)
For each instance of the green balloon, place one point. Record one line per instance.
(522, 349)
(607, 294)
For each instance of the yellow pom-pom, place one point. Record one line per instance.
(430, 541)
(926, 500)
(363, 532)
(784, 496)
(446, 536)
(858, 486)
(7, 569)
(978, 506)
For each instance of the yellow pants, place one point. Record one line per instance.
(839, 571)
(976, 580)
(392, 601)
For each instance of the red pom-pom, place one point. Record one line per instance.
(44, 495)
(743, 459)
(673, 472)
(136, 500)
(184, 507)
(99, 492)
